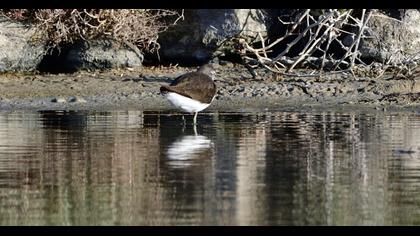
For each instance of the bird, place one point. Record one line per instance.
(192, 92)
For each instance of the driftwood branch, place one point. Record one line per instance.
(317, 34)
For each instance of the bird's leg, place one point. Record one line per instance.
(195, 118)
(195, 129)
(183, 120)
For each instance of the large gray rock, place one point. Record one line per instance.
(392, 40)
(204, 31)
(102, 54)
(18, 49)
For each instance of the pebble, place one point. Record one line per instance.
(271, 88)
(58, 100)
(81, 100)
(240, 89)
(72, 99)
(76, 99)
(134, 96)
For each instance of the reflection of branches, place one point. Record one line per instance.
(318, 33)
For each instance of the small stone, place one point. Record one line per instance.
(134, 96)
(81, 100)
(58, 100)
(240, 89)
(72, 99)
(76, 99)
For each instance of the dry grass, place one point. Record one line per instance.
(136, 26)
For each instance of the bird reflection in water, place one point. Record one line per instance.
(189, 150)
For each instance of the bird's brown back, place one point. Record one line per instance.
(194, 85)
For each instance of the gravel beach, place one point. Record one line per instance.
(130, 89)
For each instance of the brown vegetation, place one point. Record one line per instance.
(136, 26)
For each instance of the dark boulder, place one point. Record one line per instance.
(207, 32)
(102, 54)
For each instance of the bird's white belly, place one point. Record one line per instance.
(185, 103)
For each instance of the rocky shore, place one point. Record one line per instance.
(130, 89)
(101, 74)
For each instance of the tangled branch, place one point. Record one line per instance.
(317, 34)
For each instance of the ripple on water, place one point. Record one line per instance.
(234, 168)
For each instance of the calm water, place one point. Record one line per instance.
(272, 168)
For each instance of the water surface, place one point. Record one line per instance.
(255, 168)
